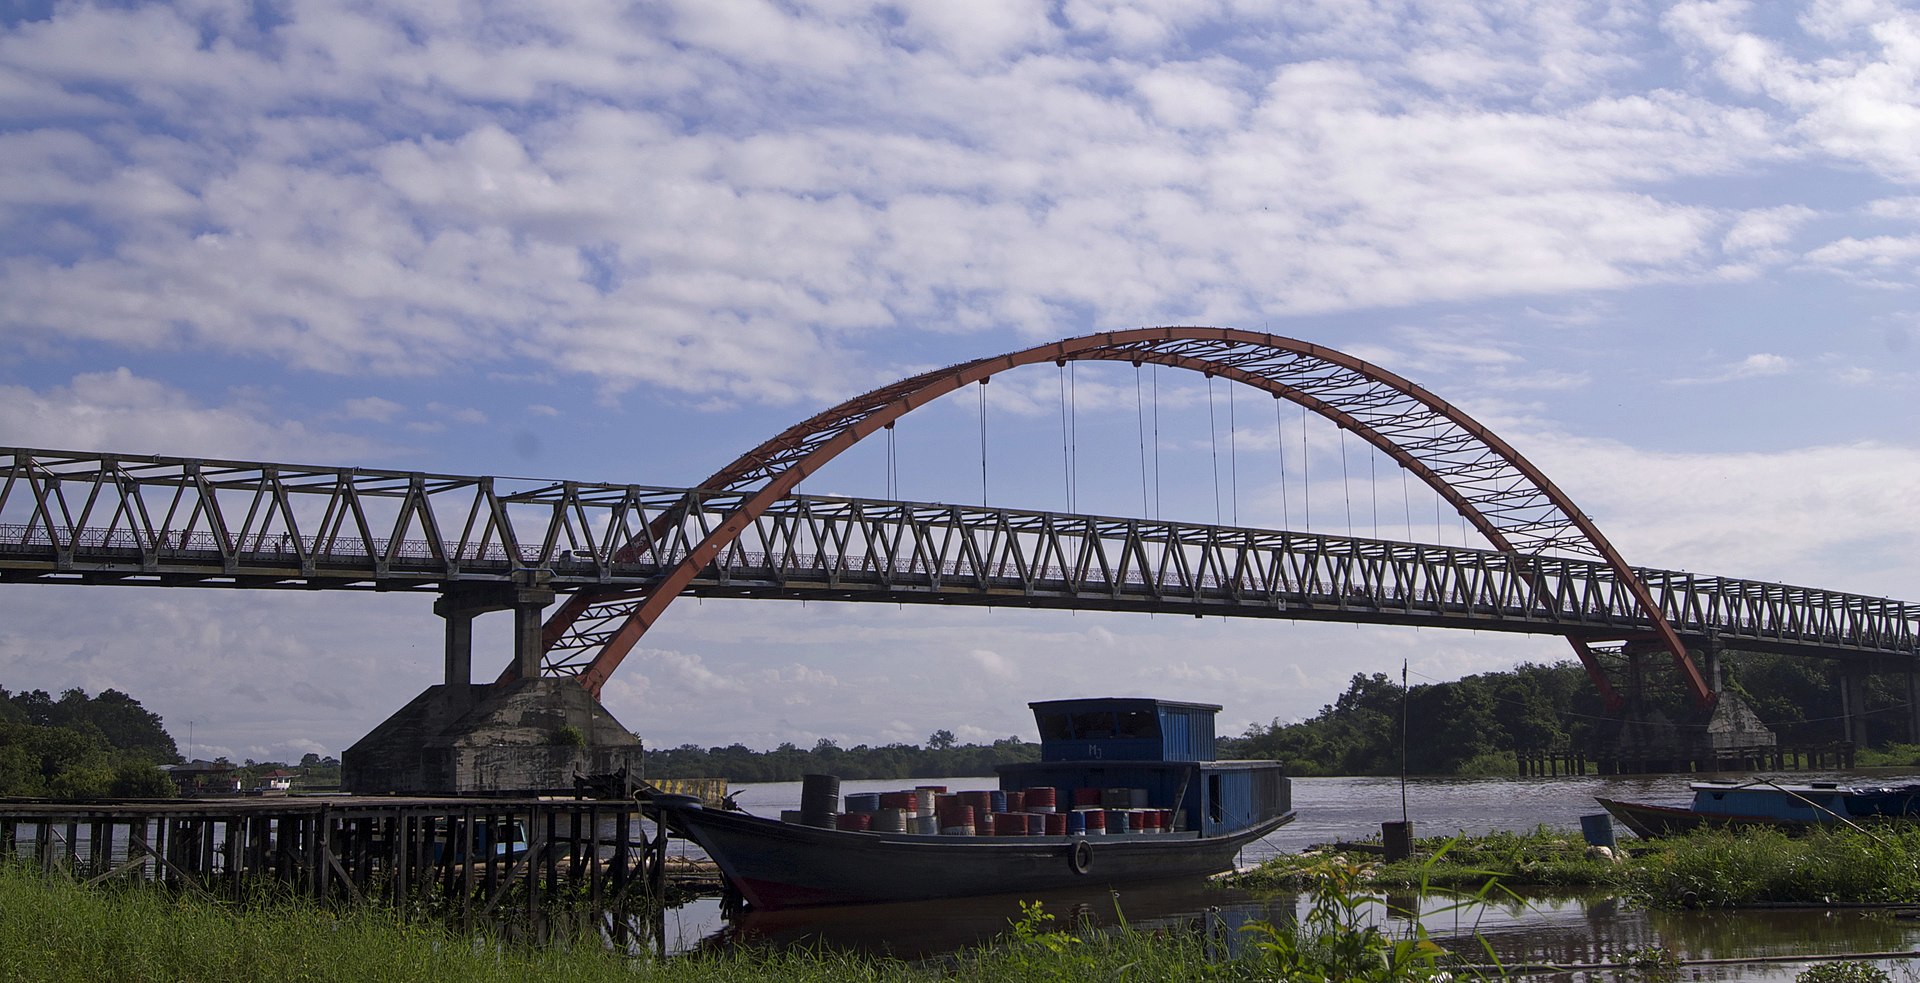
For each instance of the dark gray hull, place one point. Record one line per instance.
(777, 865)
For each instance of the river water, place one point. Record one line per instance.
(1579, 929)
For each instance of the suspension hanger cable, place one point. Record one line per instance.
(1066, 456)
(1073, 434)
(1158, 501)
(1306, 459)
(1346, 489)
(1280, 444)
(893, 467)
(983, 442)
(1140, 422)
(1213, 441)
(1407, 503)
(1233, 452)
(1373, 485)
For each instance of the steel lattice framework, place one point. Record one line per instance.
(106, 519)
(1504, 496)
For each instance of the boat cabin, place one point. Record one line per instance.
(1148, 753)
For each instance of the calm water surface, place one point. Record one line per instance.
(1576, 929)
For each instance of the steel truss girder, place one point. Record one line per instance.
(1506, 498)
(72, 517)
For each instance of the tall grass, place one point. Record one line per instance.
(1542, 858)
(54, 930)
(1716, 868)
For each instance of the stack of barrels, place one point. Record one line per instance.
(930, 809)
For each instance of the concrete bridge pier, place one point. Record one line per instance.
(532, 734)
(1853, 702)
(1644, 739)
(527, 597)
(1913, 705)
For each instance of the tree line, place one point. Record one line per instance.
(1475, 724)
(82, 747)
(942, 756)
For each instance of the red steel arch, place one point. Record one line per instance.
(1492, 485)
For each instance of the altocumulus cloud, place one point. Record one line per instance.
(726, 198)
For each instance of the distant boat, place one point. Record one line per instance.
(1193, 815)
(1793, 808)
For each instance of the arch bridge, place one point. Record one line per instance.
(626, 551)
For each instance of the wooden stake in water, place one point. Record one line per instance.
(1403, 740)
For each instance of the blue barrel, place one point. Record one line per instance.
(999, 800)
(1076, 824)
(863, 802)
(1598, 829)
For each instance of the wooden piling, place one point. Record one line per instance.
(463, 850)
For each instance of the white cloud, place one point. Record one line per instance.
(120, 411)
(1755, 366)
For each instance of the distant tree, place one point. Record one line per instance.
(940, 740)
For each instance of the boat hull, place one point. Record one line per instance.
(1649, 821)
(776, 865)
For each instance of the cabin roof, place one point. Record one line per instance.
(1127, 701)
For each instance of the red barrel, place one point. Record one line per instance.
(1009, 824)
(1149, 820)
(854, 822)
(982, 802)
(1016, 802)
(956, 815)
(1096, 820)
(1042, 799)
(1086, 797)
(1056, 823)
(896, 800)
(1166, 820)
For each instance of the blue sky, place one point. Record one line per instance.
(1668, 250)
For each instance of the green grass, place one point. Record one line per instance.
(1543, 858)
(1718, 869)
(54, 930)
(1707, 869)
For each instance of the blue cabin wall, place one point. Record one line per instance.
(1234, 798)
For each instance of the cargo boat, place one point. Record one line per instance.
(1792, 808)
(1160, 751)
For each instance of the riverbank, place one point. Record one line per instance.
(1877, 865)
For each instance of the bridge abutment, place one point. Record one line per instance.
(531, 734)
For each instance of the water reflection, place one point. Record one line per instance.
(922, 929)
(1571, 929)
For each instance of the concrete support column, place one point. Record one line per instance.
(531, 595)
(1913, 706)
(526, 638)
(459, 648)
(527, 596)
(1853, 704)
(1710, 665)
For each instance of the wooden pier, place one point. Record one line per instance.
(478, 856)
(1555, 762)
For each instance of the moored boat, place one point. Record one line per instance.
(1793, 808)
(1148, 764)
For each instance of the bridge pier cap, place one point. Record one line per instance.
(1509, 500)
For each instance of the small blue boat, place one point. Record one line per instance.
(1793, 808)
(1159, 753)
